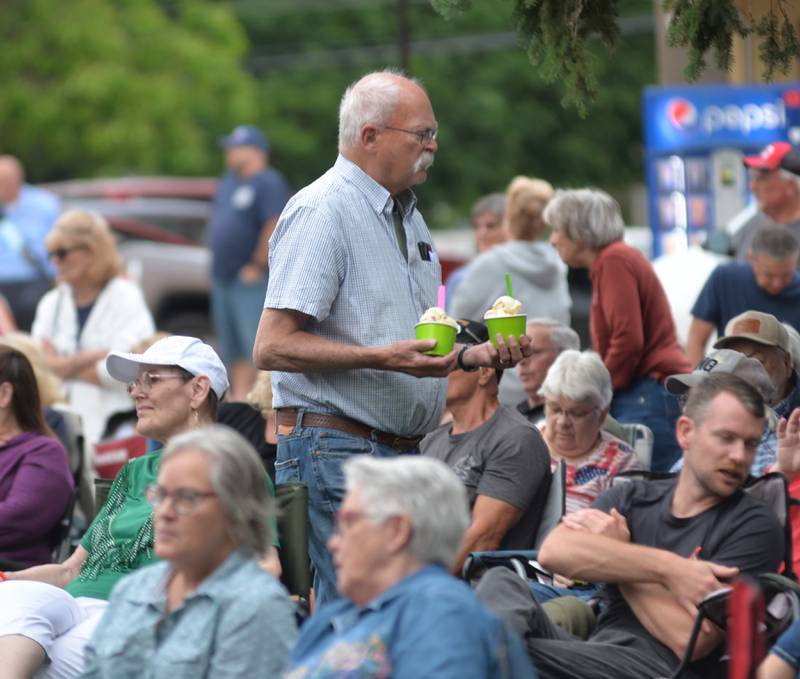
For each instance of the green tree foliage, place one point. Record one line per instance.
(703, 25)
(497, 116)
(556, 35)
(92, 87)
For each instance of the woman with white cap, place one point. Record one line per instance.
(48, 612)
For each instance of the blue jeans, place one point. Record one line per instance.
(314, 456)
(648, 402)
(542, 592)
(236, 310)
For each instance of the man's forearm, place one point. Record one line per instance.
(476, 539)
(596, 558)
(697, 339)
(301, 351)
(660, 613)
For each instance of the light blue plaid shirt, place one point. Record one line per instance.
(334, 256)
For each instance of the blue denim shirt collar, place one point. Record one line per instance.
(377, 196)
(211, 587)
(350, 615)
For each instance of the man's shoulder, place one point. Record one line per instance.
(513, 421)
(326, 193)
(635, 494)
(732, 271)
(743, 507)
(39, 197)
(435, 443)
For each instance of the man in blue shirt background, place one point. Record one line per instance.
(26, 215)
(249, 198)
(768, 282)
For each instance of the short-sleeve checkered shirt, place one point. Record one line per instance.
(334, 256)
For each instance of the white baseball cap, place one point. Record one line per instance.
(188, 353)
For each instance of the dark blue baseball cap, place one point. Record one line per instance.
(246, 135)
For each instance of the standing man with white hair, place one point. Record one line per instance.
(548, 339)
(352, 268)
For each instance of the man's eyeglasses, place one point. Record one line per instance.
(424, 136)
(61, 253)
(147, 379)
(184, 500)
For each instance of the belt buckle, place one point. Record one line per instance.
(399, 443)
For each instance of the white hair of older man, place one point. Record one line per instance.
(425, 490)
(561, 336)
(369, 100)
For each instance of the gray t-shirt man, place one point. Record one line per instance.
(504, 458)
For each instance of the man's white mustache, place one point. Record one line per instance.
(424, 161)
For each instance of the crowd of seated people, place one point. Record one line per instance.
(177, 572)
(48, 612)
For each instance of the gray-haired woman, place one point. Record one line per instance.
(577, 393)
(208, 609)
(402, 614)
(630, 320)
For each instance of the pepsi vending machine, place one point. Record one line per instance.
(695, 139)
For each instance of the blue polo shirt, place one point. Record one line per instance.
(240, 209)
(427, 625)
(731, 289)
(26, 223)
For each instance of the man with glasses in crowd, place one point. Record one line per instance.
(774, 176)
(352, 268)
(768, 282)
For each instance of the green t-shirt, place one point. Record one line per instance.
(125, 525)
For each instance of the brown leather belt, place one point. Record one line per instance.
(288, 417)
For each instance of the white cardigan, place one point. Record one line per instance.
(118, 320)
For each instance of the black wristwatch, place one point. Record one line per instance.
(460, 361)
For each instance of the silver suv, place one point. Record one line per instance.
(160, 223)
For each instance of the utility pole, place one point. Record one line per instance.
(403, 36)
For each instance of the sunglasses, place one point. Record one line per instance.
(61, 253)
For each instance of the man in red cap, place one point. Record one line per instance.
(775, 184)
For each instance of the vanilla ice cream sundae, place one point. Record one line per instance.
(437, 315)
(504, 306)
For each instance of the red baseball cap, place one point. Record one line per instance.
(770, 156)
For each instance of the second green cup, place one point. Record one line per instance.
(507, 326)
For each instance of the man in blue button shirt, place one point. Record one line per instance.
(26, 215)
(352, 268)
(246, 206)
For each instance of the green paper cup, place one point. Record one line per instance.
(507, 326)
(445, 336)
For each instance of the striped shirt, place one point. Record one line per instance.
(334, 257)
(590, 479)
